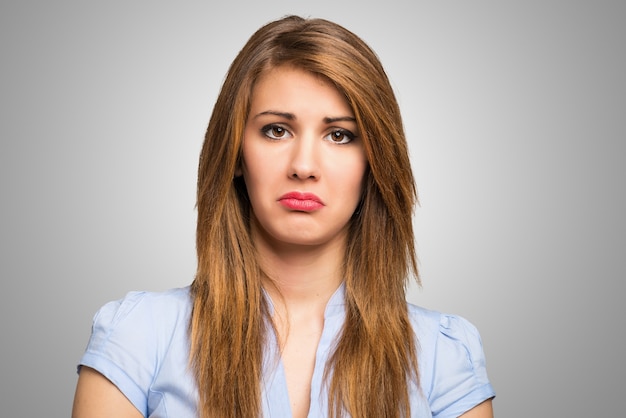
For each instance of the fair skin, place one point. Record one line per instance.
(303, 164)
(301, 138)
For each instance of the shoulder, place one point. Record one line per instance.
(452, 366)
(140, 311)
(169, 300)
(433, 328)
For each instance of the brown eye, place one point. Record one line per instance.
(337, 136)
(275, 132)
(340, 136)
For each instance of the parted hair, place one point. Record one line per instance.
(374, 361)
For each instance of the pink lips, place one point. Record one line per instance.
(301, 202)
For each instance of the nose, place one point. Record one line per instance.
(304, 158)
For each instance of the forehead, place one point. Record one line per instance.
(293, 86)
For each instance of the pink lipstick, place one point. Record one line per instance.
(301, 202)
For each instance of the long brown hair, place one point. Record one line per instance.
(375, 359)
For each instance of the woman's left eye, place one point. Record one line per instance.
(340, 136)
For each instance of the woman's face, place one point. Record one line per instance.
(303, 160)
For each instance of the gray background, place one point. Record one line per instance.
(515, 114)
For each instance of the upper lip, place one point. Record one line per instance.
(301, 196)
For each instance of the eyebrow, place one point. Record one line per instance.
(291, 116)
(286, 115)
(339, 119)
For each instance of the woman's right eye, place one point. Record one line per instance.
(275, 132)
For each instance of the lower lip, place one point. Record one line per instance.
(301, 205)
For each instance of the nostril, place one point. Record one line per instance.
(303, 176)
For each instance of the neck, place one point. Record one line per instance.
(301, 279)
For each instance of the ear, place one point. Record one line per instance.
(238, 171)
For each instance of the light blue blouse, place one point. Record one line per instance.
(140, 344)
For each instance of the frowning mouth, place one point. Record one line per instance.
(301, 202)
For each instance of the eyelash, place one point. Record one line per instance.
(267, 131)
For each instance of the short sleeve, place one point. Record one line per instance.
(460, 379)
(122, 347)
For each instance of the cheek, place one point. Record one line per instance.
(358, 175)
(249, 166)
(259, 175)
(350, 181)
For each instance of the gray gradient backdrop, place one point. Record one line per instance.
(515, 115)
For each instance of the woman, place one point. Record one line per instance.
(305, 243)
